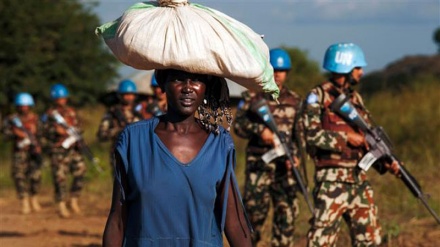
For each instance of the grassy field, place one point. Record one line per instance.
(411, 117)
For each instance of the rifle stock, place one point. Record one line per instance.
(262, 110)
(380, 147)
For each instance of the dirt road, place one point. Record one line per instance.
(47, 229)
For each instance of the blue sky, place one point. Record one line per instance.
(385, 29)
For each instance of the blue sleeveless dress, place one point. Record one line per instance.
(170, 203)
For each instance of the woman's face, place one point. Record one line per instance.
(185, 91)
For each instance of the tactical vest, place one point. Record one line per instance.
(122, 117)
(333, 122)
(30, 123)
(283, 113)
(69, 115)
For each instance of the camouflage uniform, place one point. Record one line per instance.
(64, 160)
(113, 122)
(26, 161)
(150, 108)
(341, 188)
(272, 181)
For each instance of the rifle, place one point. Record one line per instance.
(120, 117)
(29, 140)
(75, 137)
(380, 147)
(262, 110)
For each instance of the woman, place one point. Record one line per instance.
(175, 183)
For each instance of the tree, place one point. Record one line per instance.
(437, 38)
(305, 73)
(48, 41)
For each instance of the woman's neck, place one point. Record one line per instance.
(181, 125)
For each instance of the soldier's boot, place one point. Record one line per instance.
(25, 205)
(35, 204)
(64, 212)
(74, 205)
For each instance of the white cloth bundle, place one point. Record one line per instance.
(186, 36)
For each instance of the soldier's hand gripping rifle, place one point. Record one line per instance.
(380, 147)
(29, 140)
(75, 137)
(262, 110)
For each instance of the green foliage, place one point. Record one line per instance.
(44, 42)
(436, 38)
(402, 74)
(305, 73)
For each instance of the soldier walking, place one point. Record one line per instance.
(64, 150)
(24, 128)
(342, 190)
(270, 179)
(119, 115)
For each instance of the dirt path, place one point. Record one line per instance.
(47, 229)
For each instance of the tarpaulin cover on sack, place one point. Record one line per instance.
(191, 37)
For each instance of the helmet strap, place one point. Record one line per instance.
(349, 79)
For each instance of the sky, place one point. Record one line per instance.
(386, 30)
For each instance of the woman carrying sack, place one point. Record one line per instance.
(175, 182)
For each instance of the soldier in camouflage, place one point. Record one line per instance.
(24, 128)
(155, 106)
(270, 179)
(342, 190)
(64, 151)
(120, 115)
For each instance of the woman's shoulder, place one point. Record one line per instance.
(224, 136)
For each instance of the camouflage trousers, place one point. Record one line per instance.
(64, 162)
(26, 173)
(266, 183)
(352, 202)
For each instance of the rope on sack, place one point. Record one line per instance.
(172, 3)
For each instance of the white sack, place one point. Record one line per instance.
(190, 37)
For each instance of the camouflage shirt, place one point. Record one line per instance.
(30, 124)
(326, 134)
(249, 125)
(53, 137)
(115, 120)
(150, 108)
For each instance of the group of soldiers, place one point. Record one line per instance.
(59, 131)
(341, 192)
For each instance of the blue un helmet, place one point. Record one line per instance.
(342, 58)
(154, 81)
(127, 86)
(24, 99)
(279, 59)
(58, 91)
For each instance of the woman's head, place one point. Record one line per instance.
(189, 92)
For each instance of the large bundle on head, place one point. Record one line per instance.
(175, 34)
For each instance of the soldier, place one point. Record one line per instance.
(64, 150)
(270, 179)
(119, 115)
(342, 190)
(24, 129)
(155, 106)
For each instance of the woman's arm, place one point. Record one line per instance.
(236, 228)
(117, 218)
